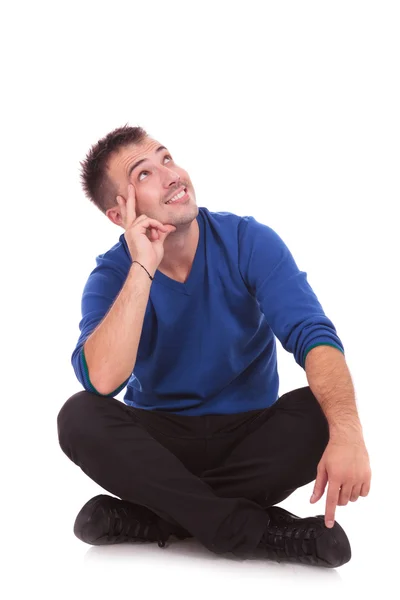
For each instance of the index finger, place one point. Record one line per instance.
(131, 205)
(332, 498)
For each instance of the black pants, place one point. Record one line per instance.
(213, 475)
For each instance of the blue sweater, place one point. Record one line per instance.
(208, 346)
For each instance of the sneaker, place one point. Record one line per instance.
(307, 541)
(108, 520)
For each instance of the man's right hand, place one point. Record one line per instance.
(145, 237)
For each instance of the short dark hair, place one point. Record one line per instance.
(96, 183)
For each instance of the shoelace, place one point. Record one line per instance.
(288, 541)
(123, 527)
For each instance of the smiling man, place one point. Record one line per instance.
(184, 311)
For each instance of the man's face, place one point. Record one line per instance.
(155, 181)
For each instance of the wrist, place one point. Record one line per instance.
(347, 434)
(142, 266)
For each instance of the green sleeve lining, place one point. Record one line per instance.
(320, 344)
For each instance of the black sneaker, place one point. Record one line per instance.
(307, 541)
(108, 520)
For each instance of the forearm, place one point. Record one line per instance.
(330, 381)
(111, 349)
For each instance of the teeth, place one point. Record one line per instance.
(177, 197)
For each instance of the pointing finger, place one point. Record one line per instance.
(131, 205)
(331, 503)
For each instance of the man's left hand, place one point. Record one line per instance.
(345, 465)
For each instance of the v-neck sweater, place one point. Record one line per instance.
(208, 345)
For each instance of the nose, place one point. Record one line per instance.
(173, 179)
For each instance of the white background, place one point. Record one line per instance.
(287, 111)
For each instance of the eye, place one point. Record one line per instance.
(166, 156)
(141, 173)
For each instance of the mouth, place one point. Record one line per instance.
(179, 197)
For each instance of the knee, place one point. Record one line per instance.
(316, 438)
(319, 420)
(74, 417)
(314, 421)
(306, 438)
(315, 433)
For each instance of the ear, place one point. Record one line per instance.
(115, 216)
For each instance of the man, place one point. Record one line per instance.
(184, 311)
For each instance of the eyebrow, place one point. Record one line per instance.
(139, 162)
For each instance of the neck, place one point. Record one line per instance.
(180, 247)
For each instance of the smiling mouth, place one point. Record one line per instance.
(178, 200)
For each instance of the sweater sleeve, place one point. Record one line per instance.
(100, 291)
(285, 297)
